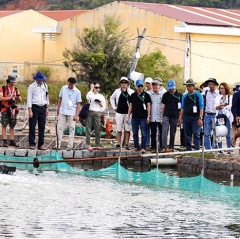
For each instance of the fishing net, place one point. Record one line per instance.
(198, 184)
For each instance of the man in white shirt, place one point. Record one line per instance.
(69, 104)
(37, 103)
(210, 111)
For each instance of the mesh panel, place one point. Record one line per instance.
(197, 184)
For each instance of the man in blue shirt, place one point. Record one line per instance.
(69, 104)
(191, 115)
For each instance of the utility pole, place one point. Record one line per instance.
(137, 54)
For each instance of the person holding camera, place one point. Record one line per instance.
(9, 96)
(224, 114)
(93, 120)
(37, 103)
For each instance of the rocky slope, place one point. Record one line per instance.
(25, 5)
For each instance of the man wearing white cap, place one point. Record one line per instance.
(156, 112)
(120, 102)
(148, 82)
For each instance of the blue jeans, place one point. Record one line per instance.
(207, 130)
(136, 123)
(228, 136)
(148, 134)
(191, 128)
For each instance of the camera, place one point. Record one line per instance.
(97, 100)
(12, 104)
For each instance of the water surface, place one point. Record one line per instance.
(52, 205)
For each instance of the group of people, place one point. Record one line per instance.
(156, 111)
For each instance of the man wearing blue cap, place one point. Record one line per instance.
(171, 106)
(140, 107)
(37, 103)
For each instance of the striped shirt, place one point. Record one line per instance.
(156, 106)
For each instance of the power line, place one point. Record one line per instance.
(196, 54)
(176, 39)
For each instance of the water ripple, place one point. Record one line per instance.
(59, 206)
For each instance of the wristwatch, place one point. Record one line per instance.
(200, 117)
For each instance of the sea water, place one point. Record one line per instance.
(56, 205)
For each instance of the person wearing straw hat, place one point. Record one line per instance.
(9, 95)
(156, 112)
(191, 115)
(210, 111)
(37, 103)
(171, 105)
(120, 101)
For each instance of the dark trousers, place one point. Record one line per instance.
(191, 129)
(154, 127)
(39, 115)
(166, 124)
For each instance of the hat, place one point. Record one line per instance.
(124, 78)
(40, 76)
(190, 82)
(148, 80)
(139, 82)
(157, 81)
(12, 78)
(171, 84)
(212, 80)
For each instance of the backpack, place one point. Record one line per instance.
(84, 111)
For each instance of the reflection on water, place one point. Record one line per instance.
(54, 205)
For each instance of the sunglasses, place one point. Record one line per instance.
(97, 87)
(140, 86)
(123, 82)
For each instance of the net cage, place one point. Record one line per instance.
(198, 184)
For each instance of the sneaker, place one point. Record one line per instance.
(4, 143)
(143, 150)
(153, 151)
(13, 143)
(135, 149)
(127, 147)
(163, 150)
(99, 148)
(117, 146)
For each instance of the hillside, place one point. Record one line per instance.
(24, 5)
(89, 4)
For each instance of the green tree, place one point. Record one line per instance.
(155, 64)
(101, 55)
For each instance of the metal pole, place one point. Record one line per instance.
(135, 59)
(157, 144)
